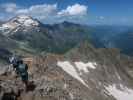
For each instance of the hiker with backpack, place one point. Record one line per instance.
(21, 68)
(23, 71)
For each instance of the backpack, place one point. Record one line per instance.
(22, 69)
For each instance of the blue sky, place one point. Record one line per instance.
(80, 11)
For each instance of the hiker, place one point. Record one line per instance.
(23, 71)
(20, 68)
(15, 62)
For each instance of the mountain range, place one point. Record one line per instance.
(67, 61)
(28, 34)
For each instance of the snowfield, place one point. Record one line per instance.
(85, 66)
(20, 20)
(72, 70)
(9, 26)
(26, 20)
(123, 94)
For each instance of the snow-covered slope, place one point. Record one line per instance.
(76, 69)
(67, 67)
(25, 20)
(122, 93)
(18, 22)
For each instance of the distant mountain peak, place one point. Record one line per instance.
(24, 20)
(20, 21)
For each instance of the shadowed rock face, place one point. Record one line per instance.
(105, 75)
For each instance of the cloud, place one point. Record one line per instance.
(39, 11)
(47, 12)
(9, 7)
(75, 9)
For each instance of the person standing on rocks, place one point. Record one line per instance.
(23, 71)
(20, 68)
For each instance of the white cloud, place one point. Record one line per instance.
(46, 12)
(47, 9)
(9, 7)
(75, 9)
(39, 11)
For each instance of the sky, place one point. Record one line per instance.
(119, 12)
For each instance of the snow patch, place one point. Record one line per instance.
(30, 22)
(69, 68)
(9, 26)
(19, 21)
(124, 94)
(84, 66)
(26, 20)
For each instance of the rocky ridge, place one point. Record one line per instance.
(105, 74)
